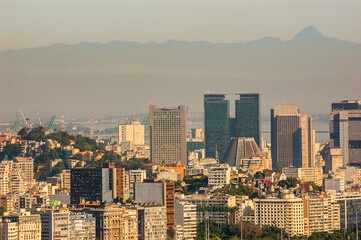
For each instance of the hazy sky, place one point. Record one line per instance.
(34, 23)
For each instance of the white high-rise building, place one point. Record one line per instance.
(186, 216)
(132, 132)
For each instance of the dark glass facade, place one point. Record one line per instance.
(216, 125)
(90, 184)
(247, 123)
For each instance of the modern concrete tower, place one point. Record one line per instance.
(291, 137)
(216, 125)
(345, 130)
(247, 123)
(167, 128)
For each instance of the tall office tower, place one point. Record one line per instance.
(291, 137)
(247, 123)
(132, 132)
(167, 127)
(90, 185)
(159, 192)
(345, 130)
(216, 125)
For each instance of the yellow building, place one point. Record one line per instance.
(309, 174)
(285, 213)
(6, 203)
(321, 214)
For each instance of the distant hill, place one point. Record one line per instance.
(124, 77)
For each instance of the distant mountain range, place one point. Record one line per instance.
(117, 77)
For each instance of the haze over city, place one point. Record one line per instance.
(100, 72)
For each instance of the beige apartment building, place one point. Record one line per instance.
(8, 231)
(286, 213)
(29, 225)
(152, 221)
(321, 214)
(307, 174)
(167, 127)
(116, 223)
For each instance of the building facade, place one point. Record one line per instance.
(133, 132)
(152, 221)
(90, 185)
(216, 125)
(345, 130)
(81, 226)
(161, 193)
(247, 122)
(186, 216)
(167, 127)
(286, 213)
(116, 223)
(292, 137)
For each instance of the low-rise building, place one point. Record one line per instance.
(221, 175)
(309, 174)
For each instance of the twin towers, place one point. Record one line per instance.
(220, 127)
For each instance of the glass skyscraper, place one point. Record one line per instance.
(247, 122)
(216, 125)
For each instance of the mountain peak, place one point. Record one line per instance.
(309, 33)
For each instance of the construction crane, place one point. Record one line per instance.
(40, 123)
(49, 125)
(27, 121)
(17, 121)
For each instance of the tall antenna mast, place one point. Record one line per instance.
(62, 123)
(41, 124)
(91, 124)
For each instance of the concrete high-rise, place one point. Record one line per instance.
(91, 185)
(132, 132)
(247, 122)
(216, 125)
(167, 127)
(161, 193)
(345, 130)
(292, 137)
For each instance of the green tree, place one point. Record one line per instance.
(58, 168)
(2, 210)
(11, 150)
(259, 175)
